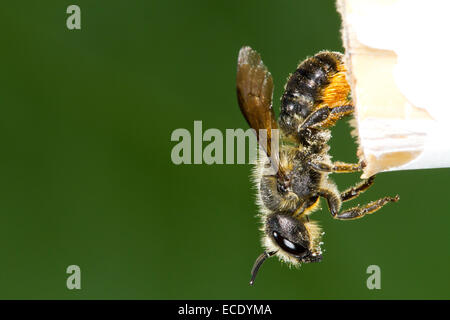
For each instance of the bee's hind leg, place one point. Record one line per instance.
(326, 117)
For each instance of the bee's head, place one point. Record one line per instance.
(293, 240)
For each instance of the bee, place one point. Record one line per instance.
(316, 96)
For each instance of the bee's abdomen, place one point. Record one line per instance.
(304, 88)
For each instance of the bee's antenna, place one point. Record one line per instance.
(259, 261)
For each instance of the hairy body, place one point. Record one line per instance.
(315, 97)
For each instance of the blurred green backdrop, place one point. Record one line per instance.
(87, 178)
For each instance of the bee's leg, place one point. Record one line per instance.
(316, 118)
(359, 212)
(336, 114)
(306, 207)
(326, 117)
(333, 199)
(353, 192)
(337, 167)
(334, 204)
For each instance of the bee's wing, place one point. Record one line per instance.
(254, 86)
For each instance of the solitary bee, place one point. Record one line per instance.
(316, 95)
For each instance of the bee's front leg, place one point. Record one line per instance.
(334, 204)
(333, 199)
(359, 212)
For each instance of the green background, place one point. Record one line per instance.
(86, 176)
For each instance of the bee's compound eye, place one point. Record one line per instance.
(293, 248)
